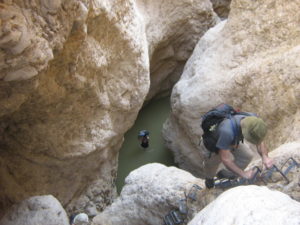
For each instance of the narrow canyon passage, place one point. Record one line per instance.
(132, 155)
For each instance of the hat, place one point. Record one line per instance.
(81, 219)
(254, 129)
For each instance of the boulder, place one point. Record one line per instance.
(68, 95)
(247, 205)
(74, 75)
(36, 210)
(150, 192)
(246, 62)
(173, 28)
(286, 158)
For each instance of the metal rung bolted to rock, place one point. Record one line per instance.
(177, 218)
(173, 218)
(168, 220)
(255, 176)
(292, 163)
(179, 215)
(193, 192)
(183, 207)
(267, 176)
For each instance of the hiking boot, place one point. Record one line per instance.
(209, 183)
(225, 174)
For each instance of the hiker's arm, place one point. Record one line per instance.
(263, 151)
(226, 158)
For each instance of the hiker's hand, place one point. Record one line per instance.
(248, 174)
(268, 162)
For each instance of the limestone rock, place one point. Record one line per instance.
(153, 190)
(221, 7)
(36, 210)
(248, 63)
(27, 41)
(73, 76)
(275, 182)
(150, 192)
(283, 158)
(249, 205)
(173, 28)
(86, 70)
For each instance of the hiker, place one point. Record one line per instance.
(143, 137)
(80, 219)
(229, 148)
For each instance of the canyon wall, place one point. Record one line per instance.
(74, 75)
(249, 61)
(153, 191)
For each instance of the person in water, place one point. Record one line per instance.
(143, 137)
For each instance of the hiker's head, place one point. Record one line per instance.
(81, 219)
(254, 129)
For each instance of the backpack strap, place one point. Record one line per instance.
(235, 129)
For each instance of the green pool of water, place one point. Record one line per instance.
(132, 155)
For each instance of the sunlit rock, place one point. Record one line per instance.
(173, 28)
(246, 62)
(287, 159)
(247, 205)
(74, 75)
(150, 192)
(153, 190)
(44, 210)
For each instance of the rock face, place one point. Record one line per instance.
(181, 24)
(221, 7)
(273, 181)
(150, 192)
(74, 75)
(250, 205)
(61, 130)
(153, 190)
(283, 158)
(248, 63)
(36, 210)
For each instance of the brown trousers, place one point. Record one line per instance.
(242, 156)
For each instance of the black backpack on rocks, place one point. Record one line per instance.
(211, 121)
